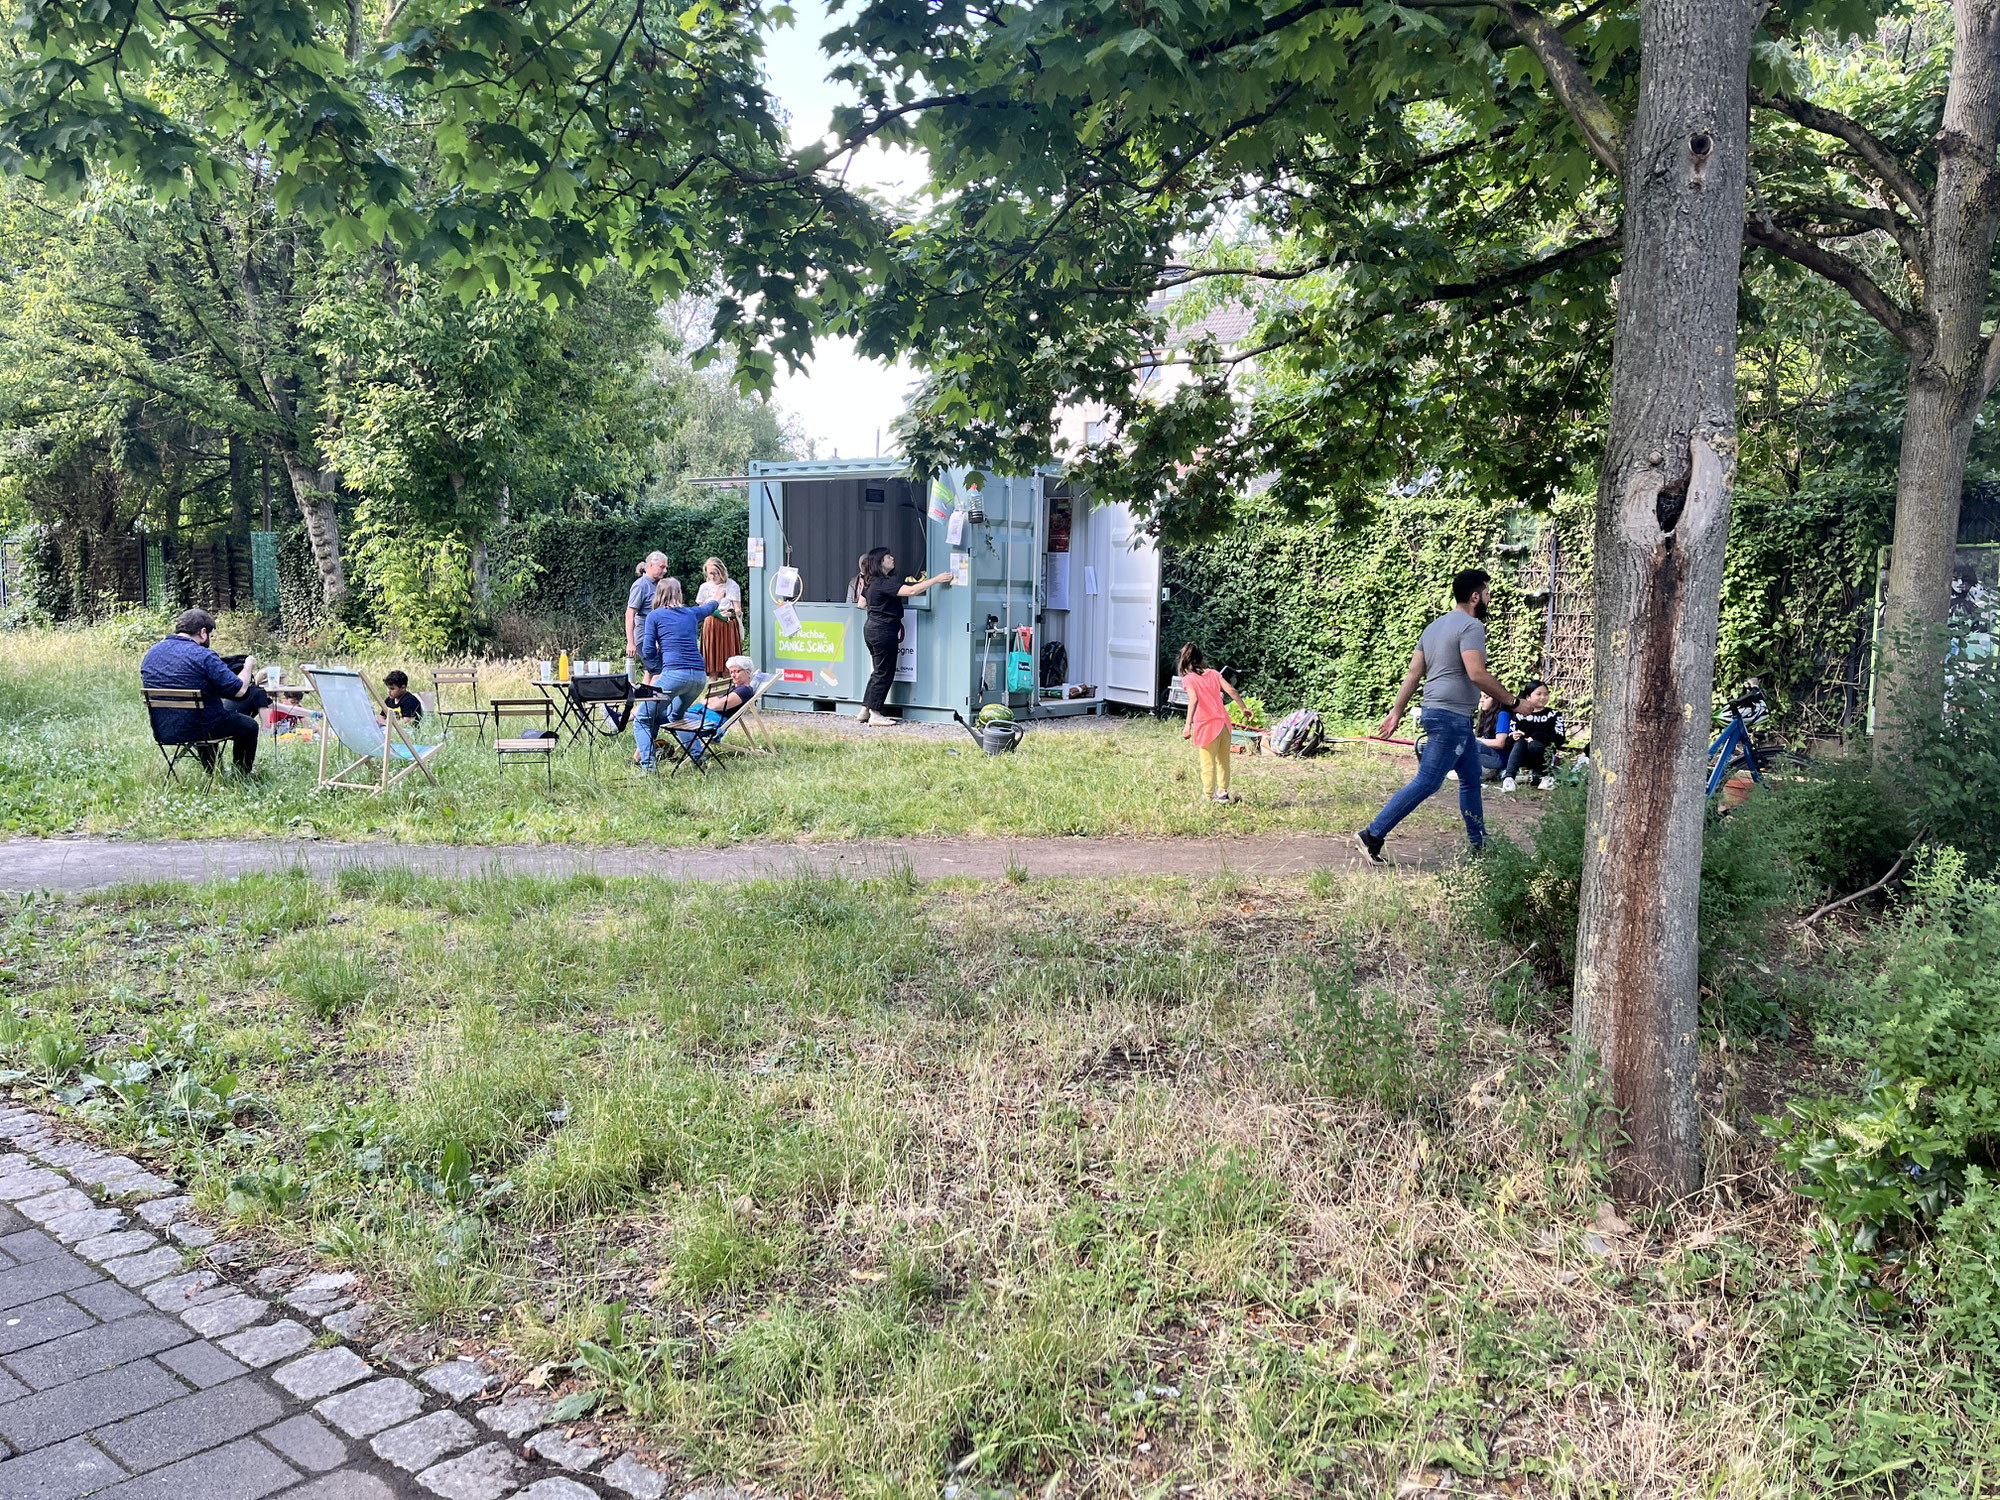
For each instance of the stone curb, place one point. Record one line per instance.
(444, 1427)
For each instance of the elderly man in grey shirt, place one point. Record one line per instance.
(640, 599)
(1450, 661)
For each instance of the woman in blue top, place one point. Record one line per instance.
(670, 649)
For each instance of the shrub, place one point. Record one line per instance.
(1953, 772)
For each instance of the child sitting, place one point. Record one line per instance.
(399, 697)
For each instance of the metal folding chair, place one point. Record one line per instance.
(177, 701)
(465, 677)
(521, 747)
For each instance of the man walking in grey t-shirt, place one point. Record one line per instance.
(1450, 660)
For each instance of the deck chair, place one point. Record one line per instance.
(522, 747)
(178, 701)
(348, 700)
(468, 678)
(751, 717)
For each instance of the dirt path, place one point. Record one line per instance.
(93, 863)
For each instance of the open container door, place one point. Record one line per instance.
(1132, 611)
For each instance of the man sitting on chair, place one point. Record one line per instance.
(184, 660)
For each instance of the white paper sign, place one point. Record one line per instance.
(1089, 579)
(954, 531)
(1055, 591)
(906, 651)
(961, 568)
(787, 618)
(756, 552)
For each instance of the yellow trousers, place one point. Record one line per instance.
(1215, 766)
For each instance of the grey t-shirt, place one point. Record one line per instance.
(1444, 640)
(641, 597)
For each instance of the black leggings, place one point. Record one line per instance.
(883, 635)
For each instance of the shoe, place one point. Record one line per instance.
(1506, 783)
(882, 720)
(1370, 846)
(1227, 797)
(1546, 784)
(1451, 776)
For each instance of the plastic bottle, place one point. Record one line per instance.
(562, 667)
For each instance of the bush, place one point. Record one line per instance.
(1953, 774)
(1904, 1173)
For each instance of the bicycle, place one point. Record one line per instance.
(1733, 750)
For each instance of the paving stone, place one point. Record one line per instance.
(93, 1168)
(105, 1247)
(139, 1185)
(244, 1470)
(275, 1278)
(321, 1294)
(322, 1374)
(352, 1323)
(14, 1162)
(515, 1416)
(557, 1488)
(347, 1486)
(59, 1473)
(368, 1409)
(563, 1451)
(50, 1416)
(459, 1379)
(163, 1211)
(224, 1255)
(24, 1245)
(92, 1349)
(107, 1300)
(193, 1235)
(86, 1222)
(627, 1475)
(38, 1322)
(43, 1278)
(225, 1315)
(10, 1388)
(30, 1184)
(190, 1424)
(258, 1347)
(419, 1444)
(54, 1205)
(189, 1289)
(306, 1442)
(27, 1122)
(68, 1154)
(10, 1221)
(202, 1363)
(144, 1270)
(483, 1474)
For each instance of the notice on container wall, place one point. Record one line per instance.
(788, 622)
(961, 568)
(756, 552)
(954, 531)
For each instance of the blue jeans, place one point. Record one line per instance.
(1449, 745)
(678, 691)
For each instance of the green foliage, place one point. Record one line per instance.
(1904, 1173)
(1953, 772)
(1356, 1044)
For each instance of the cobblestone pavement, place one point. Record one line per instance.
(132, 1365)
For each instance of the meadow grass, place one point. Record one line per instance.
(76, 756)
(1151, 1187)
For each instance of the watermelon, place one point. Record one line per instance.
(993, 711)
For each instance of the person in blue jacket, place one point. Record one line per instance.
(670, 650)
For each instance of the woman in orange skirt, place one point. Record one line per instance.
(721, 632)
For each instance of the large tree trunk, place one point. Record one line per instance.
(313, 489)
(1949, 378)
(1662, 520)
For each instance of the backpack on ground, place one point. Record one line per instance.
(1299, 733)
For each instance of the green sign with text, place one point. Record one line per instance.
(817, 640)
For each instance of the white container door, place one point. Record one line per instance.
(1131, 611)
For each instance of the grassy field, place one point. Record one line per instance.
(76, 756)
(1150, 1188)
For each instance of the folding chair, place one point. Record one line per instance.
(599, 707)
(179, 701)
(752, 719)
(517, 747)
(366, 730)
(467, 677)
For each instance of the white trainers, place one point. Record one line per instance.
(1506, 783)
(881, 719)
(1546, 784)
(1451, 776)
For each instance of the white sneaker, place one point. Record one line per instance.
(1506, 783)
(882, 719)
(1546, 784)
(1451, 776)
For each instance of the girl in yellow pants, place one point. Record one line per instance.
(1207, 721)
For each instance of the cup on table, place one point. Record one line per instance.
(548, 670)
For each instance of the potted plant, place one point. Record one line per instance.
(1246, 726)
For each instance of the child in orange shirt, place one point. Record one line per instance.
(1207, 721)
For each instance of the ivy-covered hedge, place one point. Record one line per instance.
(1327, 615)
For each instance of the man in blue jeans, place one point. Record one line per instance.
(1450, 660)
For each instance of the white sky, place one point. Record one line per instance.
(841, 400)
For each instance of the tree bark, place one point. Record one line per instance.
(313, 489)
(1662, 521)
(1951, 372)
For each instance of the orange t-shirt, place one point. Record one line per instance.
(1210, 718)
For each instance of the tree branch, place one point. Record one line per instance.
(1867, 145)
(1989, 371)
(1573, 88)
(1842, 272)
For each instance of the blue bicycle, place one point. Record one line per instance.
(1734, 750)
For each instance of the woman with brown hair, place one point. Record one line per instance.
(721, 632)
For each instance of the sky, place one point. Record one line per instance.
(840, 400)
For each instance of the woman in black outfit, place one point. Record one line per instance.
(882, 596)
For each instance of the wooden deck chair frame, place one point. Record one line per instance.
(468, 677)
(415, 757)
(181, 700)
(507, 748)
(751, 717)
